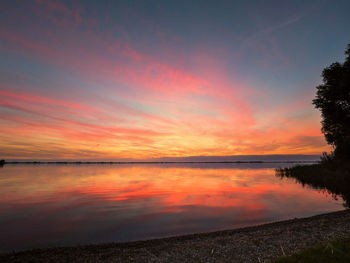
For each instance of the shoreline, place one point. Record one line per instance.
(249, 244)
(165, 162)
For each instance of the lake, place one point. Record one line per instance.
(62, 205)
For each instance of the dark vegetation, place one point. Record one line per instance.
(333, 100)
(331, 175)
(335, 251)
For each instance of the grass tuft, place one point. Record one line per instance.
(334, 251)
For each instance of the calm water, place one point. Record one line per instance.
(50, 205)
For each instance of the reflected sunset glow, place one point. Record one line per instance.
(91, 203)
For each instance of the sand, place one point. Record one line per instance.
(251, 244)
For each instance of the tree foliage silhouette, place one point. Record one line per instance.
(333, 100)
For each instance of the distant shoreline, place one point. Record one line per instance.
(162, 162)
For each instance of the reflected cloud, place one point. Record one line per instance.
(90, 203)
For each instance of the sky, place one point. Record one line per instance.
(144, 79)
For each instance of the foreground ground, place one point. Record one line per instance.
(327, 252)
(252, 244)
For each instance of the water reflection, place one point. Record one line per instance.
(332, 177)
(50, 205)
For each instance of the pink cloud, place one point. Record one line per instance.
(153, 106)
(45, 100)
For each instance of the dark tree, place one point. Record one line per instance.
(333, 100)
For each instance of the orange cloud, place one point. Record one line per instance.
(133, 104)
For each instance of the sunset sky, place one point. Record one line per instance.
(140, 79)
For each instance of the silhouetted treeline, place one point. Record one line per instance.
(333, 100)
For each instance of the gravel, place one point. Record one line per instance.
(250, 244)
